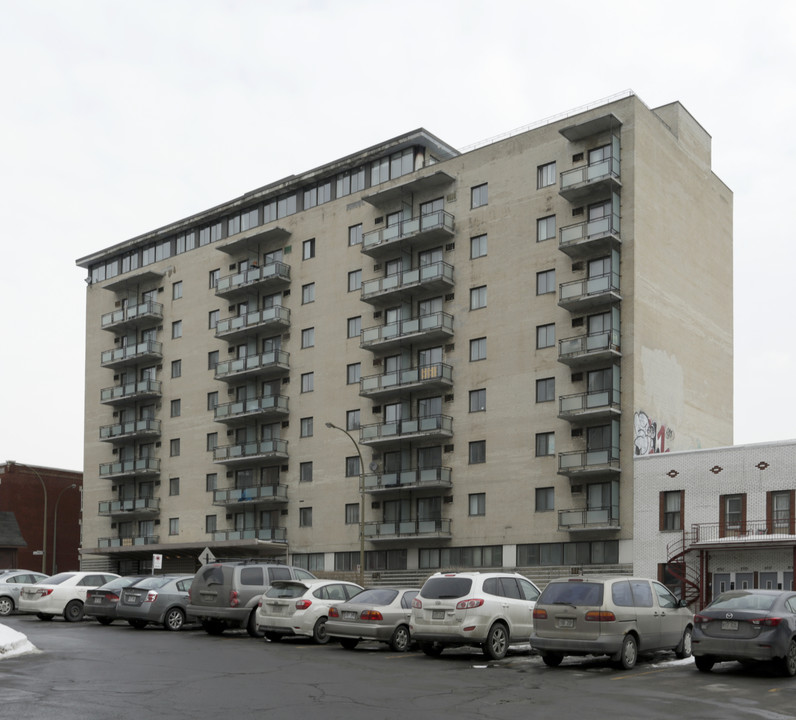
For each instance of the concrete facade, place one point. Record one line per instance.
(513, 325)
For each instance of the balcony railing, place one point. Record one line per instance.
(605, 518)
(434, 376)
(589, 405)
(130, 354)
(596, 237)
(130, 468)
(589, 462)
(276, 534)
(429, 427)
(129, 392)
(256, 450)
(407, 529)
(417, 231)
(133, 506)
(276, 273)
(272, 405)
(584, 349)
(133, 316)
(255, 494)
(435, 276)
(436, 325)
(272, 364)
(145, 427)
(731, 532)
(580, 295)
(115, 542)
(412, 478)
(579, 182)
(276, 317)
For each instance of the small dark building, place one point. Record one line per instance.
(11, 540)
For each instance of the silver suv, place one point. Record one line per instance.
(487, 610)
(224, 595)
(616, 616)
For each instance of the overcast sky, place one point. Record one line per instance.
(119, 117)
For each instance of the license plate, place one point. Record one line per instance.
(729, 624)
(97, 601)
(566, 622)
(277, 609)
(437, 614)
(348, 615)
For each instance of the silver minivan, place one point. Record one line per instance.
(617, 616)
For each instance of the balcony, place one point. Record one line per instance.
(275, 534)
(274, 319)
(272, 364)
(407, 186)
(428, 428)
(254, 240)
(417, 233)
(584, 295)
(129, 508)
(591, 519)
(269, 406)
(146, 427)
(589, 180)
(146, 351)
(581, 464)
(131, 392)
(254, 279)
(590, 239)
(775, 531)
(142, 314)
(601, 347)
(261, 450)
(435, 478)
(117, 542)
(259, 494)
(425, 328)
(588, 406)
(407, 529)
(437, 376)
(436, 277)
(141, 467)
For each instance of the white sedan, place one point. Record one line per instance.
(300, 607)
(61, 594)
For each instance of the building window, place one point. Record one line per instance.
(545, 499)
(212, 400)
(352, 466)
(352, 420)
(305, 517)
(305, 472)
(176, 329)
(174, 486)
(306, 427)
(174, 526)
(779, 511)
(174, 447)
(546, 175)
(308, 249)
(477, 452)
(545, 390)
(212, 360)
(478, 349)
(211, 441)
(212, 319)
(176, 290)
(176, 368)
(211, 482)
(478, 297)
(210, 523)
(354, 280)
(307, 382)
(355, 235)
(308, 337)
(477, 246)
(546, 228)
(307, 293)
(214, 277)
(354, 326)
(545, 336)
(476, 504)
(353, 373)
(671, 510)
(545, 282)
(478, 400)
(732, 515)
(175, 408)
(352, 513)
(479, 195)
(545, 444)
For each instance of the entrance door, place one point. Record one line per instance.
(744, 581)
(721, 583)
(768, 580)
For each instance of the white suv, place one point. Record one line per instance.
(489, 610)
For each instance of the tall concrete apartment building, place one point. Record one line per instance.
(499, 331)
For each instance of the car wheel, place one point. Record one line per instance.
(44, 616)
(629, 653)
(251, 625)
(552, 659)
(431, 649)
(212, 627)
(73, 612)
(400, 639)
(319, 634)
(704, 663)
(104, 620)
(684, 648)
(349, 643)
(137, 624)
(174, 620)
(273, 637)
(497, 642)
(788, 663)
(6, 606)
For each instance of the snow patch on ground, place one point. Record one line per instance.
(13, 643)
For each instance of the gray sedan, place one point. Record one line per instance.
(159, 599)
(380, 614)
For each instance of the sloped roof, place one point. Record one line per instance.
(10, 536)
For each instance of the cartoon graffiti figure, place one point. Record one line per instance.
(645, 431)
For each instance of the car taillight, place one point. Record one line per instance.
(45, 593)
(333, 612)
(371, 615)
(233, 598)
(260, 603)
(701, 619)
(539, 614)
(416, 603)
(599, 616)
(111, 597)
(469, 604)
(767, 622)
(151, 596)
(303, 604)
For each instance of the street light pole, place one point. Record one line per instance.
(55, 524)
(361, 503)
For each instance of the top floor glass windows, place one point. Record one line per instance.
(388, 168)
(350, 182)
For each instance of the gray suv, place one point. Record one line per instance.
(224, 595)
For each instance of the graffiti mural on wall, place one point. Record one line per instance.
(649, 438)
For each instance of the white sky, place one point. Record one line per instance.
(119, 117)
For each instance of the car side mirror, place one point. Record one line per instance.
(682, 603)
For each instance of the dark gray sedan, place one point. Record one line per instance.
(159, 600)
(380, 614)
(747, 625)
(101, 602)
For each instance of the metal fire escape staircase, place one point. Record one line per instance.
(679, 553)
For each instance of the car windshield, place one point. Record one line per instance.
(55, 579)
(572, 593)
(742, 601)
(440, 588)
(376, 596)
(292, 590)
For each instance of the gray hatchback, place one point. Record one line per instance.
(159, 599)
